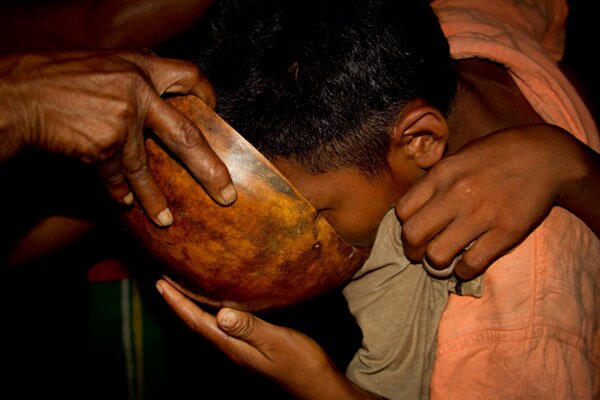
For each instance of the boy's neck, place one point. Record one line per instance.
(486, 101)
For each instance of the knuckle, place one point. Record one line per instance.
(414, 254)
(473, 263)
(509, 228)
(190, 69)
(102, 154)
(137, 171)
(135, 77)
(88, 159)
(123, 109)
(129, 56)
(443, 171)
(106, 145)
(410, 235)
(98, 151)
(127, 75)
(438, 255)
(187, 135)
(88, 149)
(464, 186)
(181, 66)
(512, 232)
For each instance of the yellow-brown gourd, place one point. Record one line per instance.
(269, 249)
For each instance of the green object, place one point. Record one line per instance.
(122, 353)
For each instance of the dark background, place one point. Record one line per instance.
(44, 308)
(581, 61)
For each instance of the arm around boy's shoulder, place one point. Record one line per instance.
(527, 39)
(464, 187)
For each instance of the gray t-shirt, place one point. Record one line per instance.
(398, 306)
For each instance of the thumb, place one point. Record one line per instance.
(238, 324)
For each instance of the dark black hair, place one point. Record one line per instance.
(322, 81)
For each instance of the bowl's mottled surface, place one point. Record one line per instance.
(269, 249)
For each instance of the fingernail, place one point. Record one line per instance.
(229, 194)
(165, 218)
(128, 199)
(159, 288)
(229, 320)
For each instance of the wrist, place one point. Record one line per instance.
(560, 156)
(582, 181)
(333, 385)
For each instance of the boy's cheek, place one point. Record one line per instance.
(356, 231)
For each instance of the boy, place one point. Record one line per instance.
(353, 102)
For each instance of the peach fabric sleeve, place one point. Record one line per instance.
(527, 37)
(535, 333)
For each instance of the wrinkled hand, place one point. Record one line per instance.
(494, 191)
(94, 106)
(288, 357)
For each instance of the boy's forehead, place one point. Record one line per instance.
(323, 190)
(312, 186)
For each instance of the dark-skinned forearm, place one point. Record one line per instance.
(332, 385)
(88, 24)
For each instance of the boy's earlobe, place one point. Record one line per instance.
(423, 133)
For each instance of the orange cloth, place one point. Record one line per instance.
(535, 333)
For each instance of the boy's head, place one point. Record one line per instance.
(346, 97)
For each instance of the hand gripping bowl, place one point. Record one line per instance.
(268, 250)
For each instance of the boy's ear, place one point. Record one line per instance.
(421, 133)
